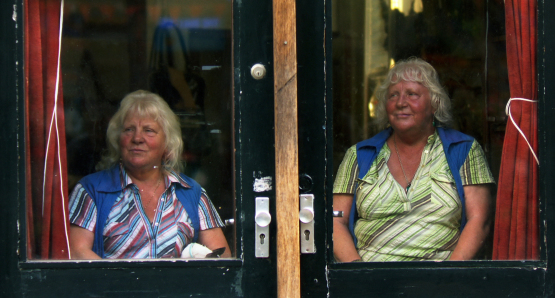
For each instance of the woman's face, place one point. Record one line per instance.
(409, 107)
(142, 143)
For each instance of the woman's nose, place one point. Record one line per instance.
(401, 100)
(138, 137)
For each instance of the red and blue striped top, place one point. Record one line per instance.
(128, 232)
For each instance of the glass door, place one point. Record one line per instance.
(466, 42)
(109, 49)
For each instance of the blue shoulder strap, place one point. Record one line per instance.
(189, 198)
(367, 151)
(456, 146)
(104, 188)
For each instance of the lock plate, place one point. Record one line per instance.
(262, 221)
(258, 71)
(306, 217)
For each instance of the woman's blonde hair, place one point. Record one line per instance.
(145, 104)
(415, 70)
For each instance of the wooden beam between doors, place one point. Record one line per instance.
(286, 142)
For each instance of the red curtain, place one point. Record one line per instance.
(47, 222)
(516, 224)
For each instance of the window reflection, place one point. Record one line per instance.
(110, 48)
(464, 42)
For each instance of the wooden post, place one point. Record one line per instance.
(286, 138)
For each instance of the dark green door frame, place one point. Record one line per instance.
(473, 278)
(251, 277)
(247, 276)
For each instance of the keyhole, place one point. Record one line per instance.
(262, 236)
(306, 234)
(258, 71)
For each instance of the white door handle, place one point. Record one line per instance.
(262, 219)
(306, 216)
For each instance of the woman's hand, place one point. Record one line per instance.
(81, 242)
(343, 245)
(478, 222)
(213, 239)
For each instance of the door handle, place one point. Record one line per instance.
(262, 218)
(306, 217)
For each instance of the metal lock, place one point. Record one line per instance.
(306, 216)
(258, 71)
(262, 219)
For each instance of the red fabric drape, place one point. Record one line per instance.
(516, 223)
(45, 138)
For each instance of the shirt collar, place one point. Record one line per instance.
(175, 178)
(430, 144)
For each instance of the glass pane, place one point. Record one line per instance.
(179, 49)
(464, 41)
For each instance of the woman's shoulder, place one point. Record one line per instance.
(376, 141)
(186, 180)
(105, 180)
(452, 135)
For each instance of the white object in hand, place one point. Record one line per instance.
(195, 251)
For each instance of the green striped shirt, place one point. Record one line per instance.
(422, 224)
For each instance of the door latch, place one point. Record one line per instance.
(262, 219)
(306, 216)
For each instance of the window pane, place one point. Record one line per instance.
(179, 49)
(465, 43)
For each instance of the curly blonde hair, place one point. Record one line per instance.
(145, 104)
(419, 71)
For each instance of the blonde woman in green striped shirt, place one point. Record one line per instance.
(407, 203)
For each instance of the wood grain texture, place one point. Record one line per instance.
(286, 141)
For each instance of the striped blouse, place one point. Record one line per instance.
(128, 232)
(422, 224)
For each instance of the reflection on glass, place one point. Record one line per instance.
(180, 50)
(373, 35)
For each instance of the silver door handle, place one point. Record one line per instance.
(262, 218)
(306, 216)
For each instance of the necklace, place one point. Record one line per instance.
(154, 192)
(402, 169)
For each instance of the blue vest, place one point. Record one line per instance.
(456, 146)
(105, 187)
